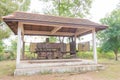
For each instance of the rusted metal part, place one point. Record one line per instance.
(51, 50)
(72, 45)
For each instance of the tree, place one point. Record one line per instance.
(1, 47)
(8, 7)
(52, 39)
(13, 46)
(110, 38)
(4, 32)
(69, 8)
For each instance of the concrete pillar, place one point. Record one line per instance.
(18, 44)
(94, 45)
(23, 51)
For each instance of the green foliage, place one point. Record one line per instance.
(85, 55)
(1, 46)
(23, 5)
(9, 53)
(110, 38)
(12, 50)
(89, 55)
(30, 55)
(52, 39)
(4, 32)
(1, 50)
(27, 47)
(107, 55)
(1, 56)
(71, 8)
(13, 47)
(9, 6)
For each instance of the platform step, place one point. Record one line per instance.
(50, 64)
(55, 60)
(57, 69)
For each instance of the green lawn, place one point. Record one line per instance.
(112, 72)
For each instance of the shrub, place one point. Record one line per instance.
(89, 55)
(108, 55)
(30, 55)
(1, 56)
(85, 55)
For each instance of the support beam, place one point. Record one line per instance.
(48, 33)
(79, 31)
(55, 30)
(56, 25)
(94, 45)
(22, 28)
(19, 44)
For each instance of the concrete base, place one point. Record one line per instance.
(56, 66)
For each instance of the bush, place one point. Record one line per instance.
(85, 55)
(1, 56)
(1, 51)
(7, 55)
(89, 55)
(108, 55)
(30, 55)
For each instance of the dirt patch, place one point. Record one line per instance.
(65, 76)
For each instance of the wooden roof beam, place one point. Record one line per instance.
(56, 25)
(22, 27)
(55, 30)
(47, 33)
(78, 32)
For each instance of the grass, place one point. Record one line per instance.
(112, 72)
(7, 68)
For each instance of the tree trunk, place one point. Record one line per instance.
(116, 56)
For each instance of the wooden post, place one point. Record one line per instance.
(18, 44)
(75, 37)
(22, 41)
(94, 45)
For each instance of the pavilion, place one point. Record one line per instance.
(22, 23)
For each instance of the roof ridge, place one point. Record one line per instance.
(49, 15)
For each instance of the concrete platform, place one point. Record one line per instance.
(31, 67)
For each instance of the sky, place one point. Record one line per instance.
(100, 8)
